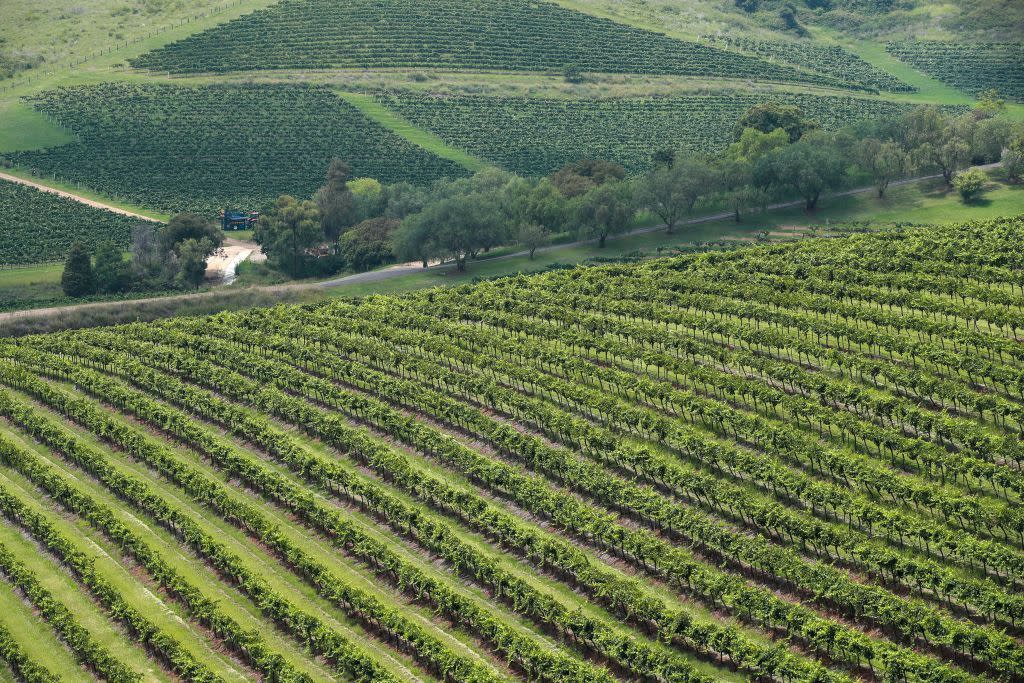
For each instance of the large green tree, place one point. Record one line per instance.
(606, 210)
(368, 244)
(78, 278)
(671, 192)
(287, 232)
(770, 116)
(113, 273)
(884, 161)
(335, 201)
(808, 167)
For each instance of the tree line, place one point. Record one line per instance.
(161, 257)
(777, 154)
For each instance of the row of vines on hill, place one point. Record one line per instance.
(41, 226)
(644, 472)
(517, 35)
(971, 67)
(195, 149)
(829, 59)
(535, 136)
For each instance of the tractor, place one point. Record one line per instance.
(235, 219)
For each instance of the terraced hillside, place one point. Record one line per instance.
(797, 462)
(178, 148)
(537, 135)
(501, 34)
(39, 226)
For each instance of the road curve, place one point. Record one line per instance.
(70, 195)
(404, 269)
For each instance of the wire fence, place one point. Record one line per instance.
(31, 75)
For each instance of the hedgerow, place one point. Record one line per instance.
(198, 148)
(972, 68)
(499, 34)
(534, 136)
(41, 226)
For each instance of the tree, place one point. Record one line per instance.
(453, 227)
(412, 240)
(368, 199)
(538, 202)
(578, 178)
(672, 191)
(664, 157)
(735, 182)
(809, 167)
(403, 199)
(191, 261)
(533, 236)
(885, 161)
(186, 226)
(989, 104)
(606, 210)
(754, 144)
(937, 140)
(147, 259)
(1013, 160)
(768, 116)
(989, 137)
(78, 278)
(368, 244)
(287, 232)
(334, 201)
(970, 184)
(113, 273)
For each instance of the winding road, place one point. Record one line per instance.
(398, 270)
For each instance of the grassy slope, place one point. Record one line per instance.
(394, 122)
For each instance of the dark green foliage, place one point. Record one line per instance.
(579, 177)
(189, 149)
(368, 244)
(113, 273)
(973, 68)
(189, 226)
(334, 199)
(78, 278)
(499, 34)
(40, 227)
(288, 232)
(771, 116)
(536, 136)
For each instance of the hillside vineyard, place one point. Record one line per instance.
(796, 462)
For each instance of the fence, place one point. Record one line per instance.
(28, 76)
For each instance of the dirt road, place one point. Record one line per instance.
(71, 195)
(404, 269)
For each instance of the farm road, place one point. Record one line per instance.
(71, 195)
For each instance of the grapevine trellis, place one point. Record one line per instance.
(829, 59)
(535, 136)
(39, 227)
(196, 149)
(797, 461)
(971, 67)
(521, 35)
